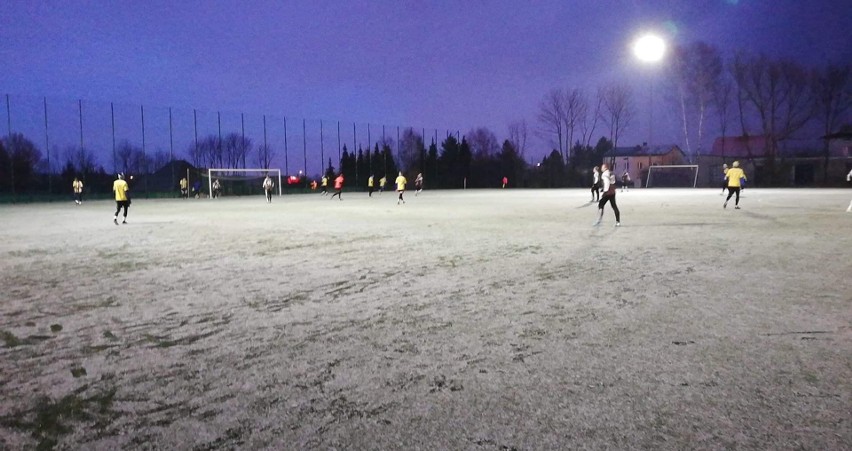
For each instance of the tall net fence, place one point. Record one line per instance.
(47, 142)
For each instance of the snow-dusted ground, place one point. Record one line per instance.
(461, 320)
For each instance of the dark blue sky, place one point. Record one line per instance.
(441, 64)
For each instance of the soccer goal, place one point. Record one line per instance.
(672, 176)
(241, 181)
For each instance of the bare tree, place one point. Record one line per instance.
(617, 101)
(695, 70)
(589, 118)
(833, 97)
(518, 132)
(575, 108)
(129, 157)
(264, 154)
(235, 147)
(551, 117)
(483, 143)
(781, 94)
(722, 92)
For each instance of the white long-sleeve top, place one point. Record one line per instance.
(606, 180)
(849, 176)
(597, 177)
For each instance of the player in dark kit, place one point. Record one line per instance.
(608, 195)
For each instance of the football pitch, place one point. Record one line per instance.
(478, 319)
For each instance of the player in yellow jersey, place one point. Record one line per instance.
(382, 182)
(77, 185)
(400, 187)
(370, 186)
(120, 188)
(324, 185)
(735, 176)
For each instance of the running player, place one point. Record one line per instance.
(338, 187)
(217, 188)
(77, 185)
(324, 185)
(122, 200)
(268, 184)
(735, 177)
(596, 184)
(400, 187)
(382, 182)
(849, 179)
(184, 188)
(370, 186)
(608, 196)
(625, 181)
(418, 184)
(505, 182)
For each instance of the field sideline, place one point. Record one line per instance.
(478, 319)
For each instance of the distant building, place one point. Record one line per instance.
(637, 159)
(799, 162)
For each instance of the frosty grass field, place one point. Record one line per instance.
(479, 319)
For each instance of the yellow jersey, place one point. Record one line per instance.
(183, 183)
(370, 182)
(78, 186)
(400, 183)
(120, 187)
(382, 182)
(734, 175)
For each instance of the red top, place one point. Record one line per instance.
(338, 182)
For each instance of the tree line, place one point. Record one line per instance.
(747, 95)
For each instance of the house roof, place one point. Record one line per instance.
(739, 146)
(756, 147)
(643, 151)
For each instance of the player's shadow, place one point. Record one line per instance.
(587, 204)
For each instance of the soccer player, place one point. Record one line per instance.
(217, 188)
(608, 196)
(724, 178)
(849, 179)
(324, 185)
(184, 188)
(77, 186)
(382, 182)
(400, 187)
(338, 187)
(596, 184)
(418, 184)
(122, 200)
(268, 184)
(625, 180)
(505, 181)
(735, 177)
(370, 186)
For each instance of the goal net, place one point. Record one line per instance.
(672, 176)
(240, 182)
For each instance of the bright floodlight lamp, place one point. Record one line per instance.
(649, 48)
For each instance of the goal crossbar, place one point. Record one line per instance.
(265, 171)
(666, 166)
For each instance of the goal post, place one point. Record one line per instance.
(672, 175)
(262, 172)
